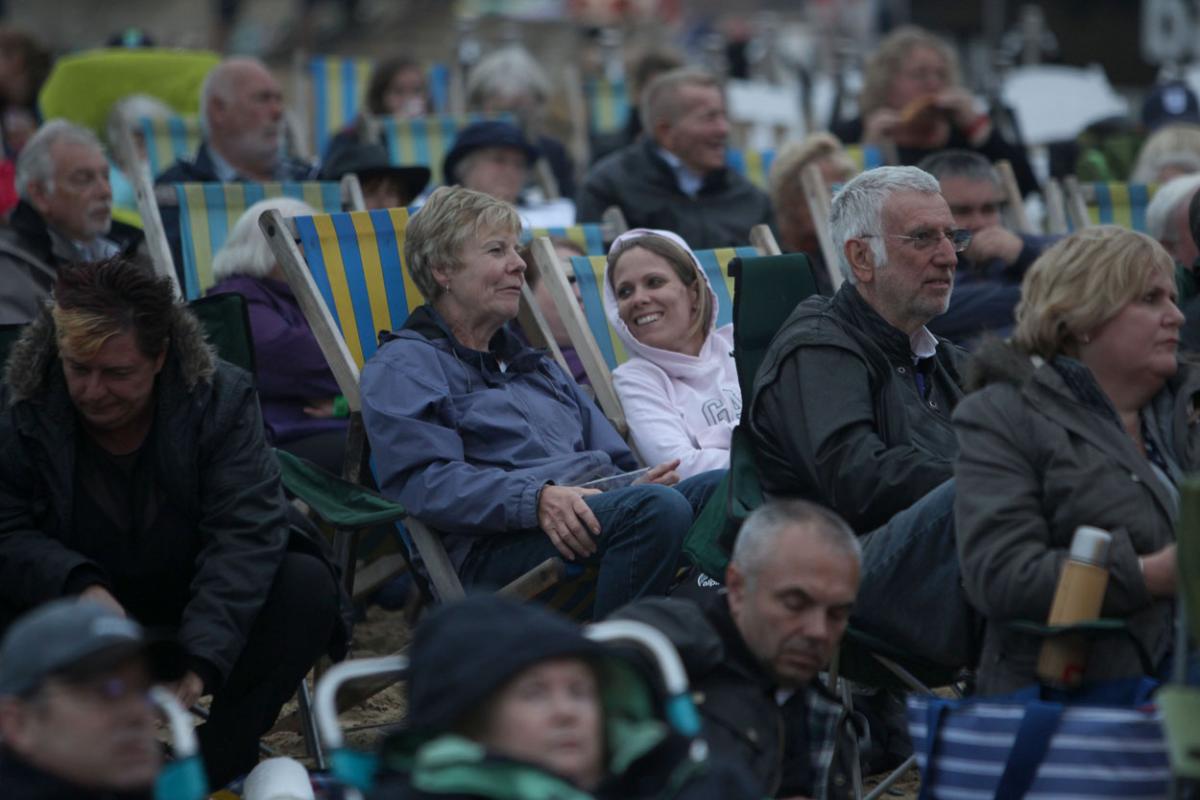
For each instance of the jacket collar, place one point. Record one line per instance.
(715, 181)
(504, 346)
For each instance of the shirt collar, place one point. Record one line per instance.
(225, 172)
(689, 182)
(923, 344)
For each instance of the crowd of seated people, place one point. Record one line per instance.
(904, 476)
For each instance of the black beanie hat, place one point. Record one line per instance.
(464, 651)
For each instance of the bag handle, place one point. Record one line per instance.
(1029, 748)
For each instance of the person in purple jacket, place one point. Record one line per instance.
(490, 442)
(297, 391)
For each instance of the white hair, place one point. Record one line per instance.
(220, 82)
(507, 72)
(857, 209)
(1175, 192)
(758, 540)
(35, 163)
(246, 251)
(126, 112)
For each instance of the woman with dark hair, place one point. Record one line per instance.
(397, 88)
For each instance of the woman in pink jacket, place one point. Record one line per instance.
(679, 387)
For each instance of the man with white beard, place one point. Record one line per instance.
(64, 217)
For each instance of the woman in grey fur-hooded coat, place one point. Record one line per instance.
(1088, 417)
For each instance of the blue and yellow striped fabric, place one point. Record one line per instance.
(208, 211)
(170, 139)
(865, 156)
(589, 236)
(1121, 204)
(608, 104)
(439, 87)
(589, 272)
(426, 141)
(357, 261)
(338, 88)
(753, 164)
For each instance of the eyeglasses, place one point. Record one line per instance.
(923, 240)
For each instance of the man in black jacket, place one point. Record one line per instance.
(135, 474)
(75, 721)
(64, 216)
(851, 406)
(752, 653)
(675, 177)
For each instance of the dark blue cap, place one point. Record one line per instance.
(492, 133)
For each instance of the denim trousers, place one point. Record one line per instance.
(642, 529)
(911, 595)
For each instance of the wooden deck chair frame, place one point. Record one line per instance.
(282, 237)
(1015, 215)
(1056, 207)
(578, 330)
(816, 193)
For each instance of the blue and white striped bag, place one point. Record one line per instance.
(1106, 741)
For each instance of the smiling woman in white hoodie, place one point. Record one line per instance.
(679, 387)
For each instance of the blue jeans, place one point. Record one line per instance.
(641, 533)
(911, 594)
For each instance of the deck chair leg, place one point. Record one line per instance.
(892, 777)
(856, 776)
(344, 556)
(308, 725)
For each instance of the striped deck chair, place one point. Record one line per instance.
(753, 164)
(348, 274)
(427, 140)
(208, 211)
(338, 86)
(169, 139)
(595, 342)
(1112, 203)
(608, 104)
(865, 156)
(589, 236)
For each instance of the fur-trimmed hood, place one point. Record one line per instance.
(997, 361)
(34, 355)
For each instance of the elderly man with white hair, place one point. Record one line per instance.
(64, 217)
(242, 119)
(851, 406)
(1167, 218)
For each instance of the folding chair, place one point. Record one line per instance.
(337, 88)
(347, 272)
(208, 211)
(1121, 204)
(592, 237)
(427, 140)
(1015, 216)
(608, 104)
(596, 343)
(818, 196)
(865, 156)
(754, 165)
(169, 139)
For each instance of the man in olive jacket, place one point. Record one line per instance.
(135, 474)
(852, 403)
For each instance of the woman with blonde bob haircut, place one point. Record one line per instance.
(913, 104)
(491, 442)
(1087, 417)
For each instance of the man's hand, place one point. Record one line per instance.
(567, 520)
(98, 594)
(1159, 571)
(664, 474)
(188, 689)
(321, 409)
(992, 243)
(881, 126)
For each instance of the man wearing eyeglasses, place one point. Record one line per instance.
(64, 217)
(991, 268)
(851, 407)
(75, 718)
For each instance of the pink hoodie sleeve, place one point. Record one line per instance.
(657, 426)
